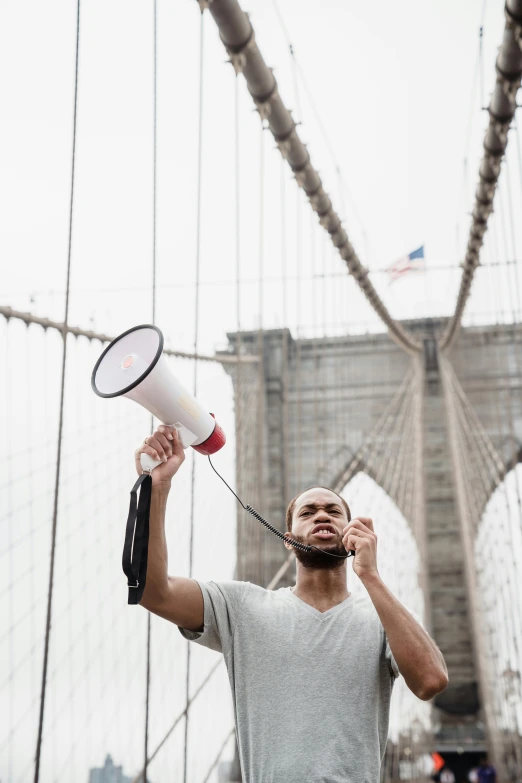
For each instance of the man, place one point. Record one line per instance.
(485, 772)
(311, 667)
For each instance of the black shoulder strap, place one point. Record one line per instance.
(136, 546)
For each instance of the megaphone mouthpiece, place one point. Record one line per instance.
(212, 444)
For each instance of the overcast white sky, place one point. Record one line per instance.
(397, 89)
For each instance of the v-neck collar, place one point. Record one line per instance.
(321, 615)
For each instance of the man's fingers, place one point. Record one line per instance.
(358, 533)
(155, 444)
(367, 521)
(167, 444)
(357, 524)
(167, 431)
(354, 533)
(350, 542)
(163, 449)
(174, 440)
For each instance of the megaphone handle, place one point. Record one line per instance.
(186, 438)
(148, 464)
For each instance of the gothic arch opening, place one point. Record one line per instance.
(399, 564)
(498, 569)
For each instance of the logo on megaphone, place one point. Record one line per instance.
(133, 366)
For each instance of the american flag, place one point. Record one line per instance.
(414, 262)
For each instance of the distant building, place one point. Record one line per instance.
(108, 773)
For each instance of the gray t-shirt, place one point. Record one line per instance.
(311, 690)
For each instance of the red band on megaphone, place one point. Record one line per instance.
(213, 443)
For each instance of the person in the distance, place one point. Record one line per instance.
(486, 773)
(311, 667)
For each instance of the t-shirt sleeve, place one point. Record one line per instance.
(222, 606)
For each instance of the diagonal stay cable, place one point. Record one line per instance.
(139, 776)
(388, 414)
(237, 35)
(219, 754)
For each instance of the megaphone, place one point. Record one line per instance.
(133, 366)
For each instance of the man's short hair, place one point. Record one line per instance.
(291, 505)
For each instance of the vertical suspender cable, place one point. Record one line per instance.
(284, 273)
(196, 345)
(519, 157)
(260, 337)
(292, 60)
(237, 189)
(482, 94)
(60, 423)
(499, 312)
(316, 361)
(284, 334)
(514, 259)
(323, 359)
(154, 176)
(504, 232)
(154, 160)
(299, 336)
(519, 150)
(238, 402)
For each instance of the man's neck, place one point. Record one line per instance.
(321, 588)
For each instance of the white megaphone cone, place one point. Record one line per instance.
(133, 366)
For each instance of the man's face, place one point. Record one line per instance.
(318, 520)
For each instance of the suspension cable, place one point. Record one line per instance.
(46, 323)
(297, 71)
(238, 37)
(60, 421)
(285, 430)
(196, 366)
(502, 109)
(154, 226)
(478, 76)
(384, 421)
(260, 445)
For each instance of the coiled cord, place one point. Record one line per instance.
(296, 544)
(275, 531)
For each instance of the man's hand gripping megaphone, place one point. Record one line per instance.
(163, 446)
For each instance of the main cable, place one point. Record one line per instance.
(296, 544)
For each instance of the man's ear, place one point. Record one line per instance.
(287, 545)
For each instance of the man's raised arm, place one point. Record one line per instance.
(174, 598)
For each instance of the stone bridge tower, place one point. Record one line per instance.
(312, 391)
